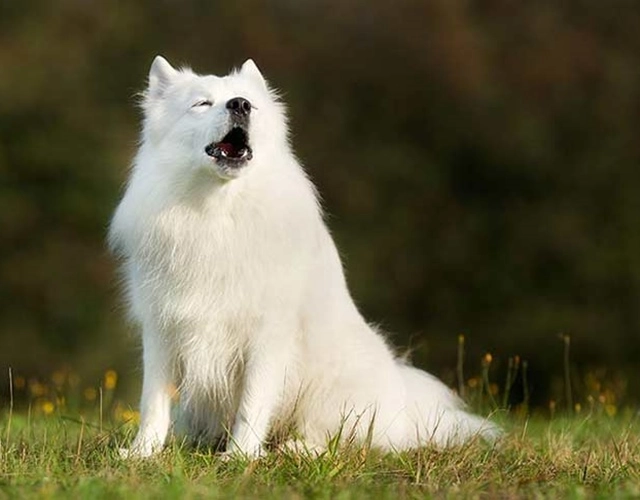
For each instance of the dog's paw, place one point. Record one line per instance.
(133, 453)
(228, 456)
(138, 450)
(126, 453)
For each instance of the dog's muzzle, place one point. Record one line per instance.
(234, 149)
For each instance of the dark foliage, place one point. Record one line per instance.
(478, 164)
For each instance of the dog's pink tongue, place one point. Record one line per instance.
(227, 148)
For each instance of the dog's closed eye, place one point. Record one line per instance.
(202, 103)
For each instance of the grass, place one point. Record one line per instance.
(52, 456)
(61, 437)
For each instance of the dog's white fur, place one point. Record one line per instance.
(240, 293)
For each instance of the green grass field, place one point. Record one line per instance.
(593, 456)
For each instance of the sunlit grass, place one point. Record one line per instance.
(59, 438)
(579, 456)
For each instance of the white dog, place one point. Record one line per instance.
(238, 288)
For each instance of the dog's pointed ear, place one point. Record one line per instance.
(160, 76)
(251, 71)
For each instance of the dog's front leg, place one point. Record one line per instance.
(264, 379)
(155, 404)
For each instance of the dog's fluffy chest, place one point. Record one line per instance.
(192, 266)
(218, 263)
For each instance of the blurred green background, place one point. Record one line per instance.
(478, 162)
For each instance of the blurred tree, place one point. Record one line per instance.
(478, 163)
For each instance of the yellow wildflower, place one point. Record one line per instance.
(19, 382)
(47, 407)
(131, 416)
(36, 388)
(90, 393)
(58, 377)
(110, 380)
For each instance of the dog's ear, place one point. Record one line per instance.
(160, 76)
(251, 71)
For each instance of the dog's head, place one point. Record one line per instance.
(222, 124)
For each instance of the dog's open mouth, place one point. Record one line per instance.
(233, 148)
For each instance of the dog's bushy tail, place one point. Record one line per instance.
(436, 415)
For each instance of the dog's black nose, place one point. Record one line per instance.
(239, 106)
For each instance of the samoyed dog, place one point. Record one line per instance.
(239, 292)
